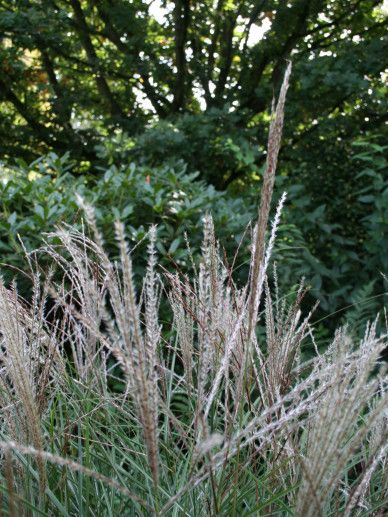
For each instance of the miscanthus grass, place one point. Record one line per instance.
(105, 411)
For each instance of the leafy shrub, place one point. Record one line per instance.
(341, 242)
(38, 197)
(373, 197)
(215, 143)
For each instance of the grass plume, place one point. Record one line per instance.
(217, 409)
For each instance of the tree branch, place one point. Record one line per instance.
(182, 20)
(215, 36)
(60, 105)
(102, 85)
(157, 101)
(227, 53)
(271, 52)
(41, 130)
(256, 11)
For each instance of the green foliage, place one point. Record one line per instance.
(374, 199)
(336, 255)
(215, 143)
(343, 219)
(36, 198)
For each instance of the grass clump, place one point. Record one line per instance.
(107, 410)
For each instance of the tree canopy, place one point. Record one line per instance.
(73, 71)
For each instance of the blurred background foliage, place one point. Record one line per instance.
(159, 111)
